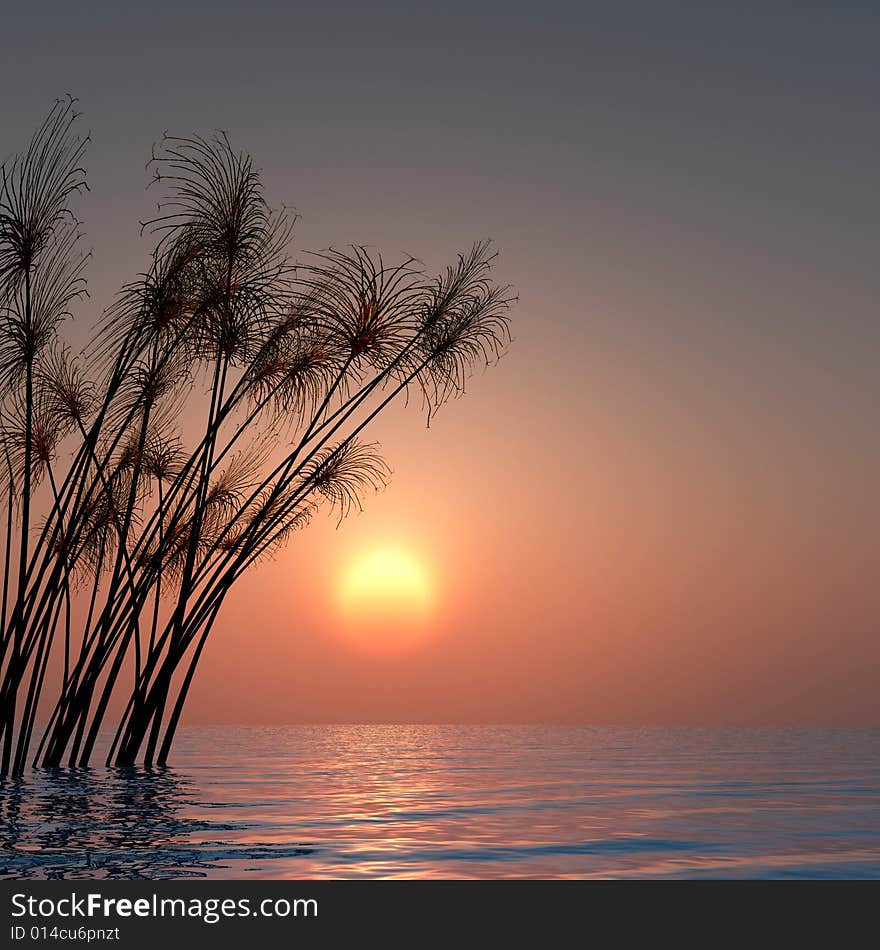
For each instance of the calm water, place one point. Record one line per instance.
(461, 801)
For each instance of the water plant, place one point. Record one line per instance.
(127, 528)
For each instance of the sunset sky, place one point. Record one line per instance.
(662, 505)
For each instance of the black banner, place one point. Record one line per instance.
(170, 914)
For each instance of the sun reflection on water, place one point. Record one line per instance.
(460, 801)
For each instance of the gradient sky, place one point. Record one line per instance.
(662, 505)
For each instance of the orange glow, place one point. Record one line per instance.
(385, 598)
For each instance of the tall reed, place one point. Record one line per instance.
(126, 531)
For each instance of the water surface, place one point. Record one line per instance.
(460, 802)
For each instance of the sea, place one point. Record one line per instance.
(462, 802)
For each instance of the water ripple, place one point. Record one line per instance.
(461, 801)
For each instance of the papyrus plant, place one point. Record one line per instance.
(221, 402)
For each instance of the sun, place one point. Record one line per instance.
(386, 597)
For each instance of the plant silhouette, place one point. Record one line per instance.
(110, 505)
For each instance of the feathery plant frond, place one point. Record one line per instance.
(35, 188)
(344, 473)
(464, 325)
(33, 311)
(365, 305)
(215, 192)
(71, 395)
(217, 409)
(164, 457)
(295, 368)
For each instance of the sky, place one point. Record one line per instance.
(661, 506)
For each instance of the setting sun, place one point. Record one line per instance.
(385, 597)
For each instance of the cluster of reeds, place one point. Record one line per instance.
(124, 532)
